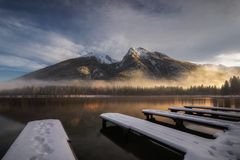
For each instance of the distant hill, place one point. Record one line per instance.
(102, 67)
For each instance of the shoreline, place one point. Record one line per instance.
(118, 96)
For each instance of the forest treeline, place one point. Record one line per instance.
(230, 87)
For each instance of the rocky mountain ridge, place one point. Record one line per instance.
(102, 67)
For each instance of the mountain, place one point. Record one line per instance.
(99, 66)
(153, 64)
(88, 67)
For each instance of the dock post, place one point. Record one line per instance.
(147, 116)
(214, 116)
(151, 116)
(104, 123)
(179, 123)
(125, 133)
(172, 110)
(188, 112)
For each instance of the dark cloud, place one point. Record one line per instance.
(43, 32)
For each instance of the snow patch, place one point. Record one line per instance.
(102, 58)
(41, 140)
(140, 52)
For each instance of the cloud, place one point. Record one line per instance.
(114, 46)
(18, 62)
(22, 41)
(227, 59)
(185, 29)
(46, 33)
(231, 59)
(193, 30)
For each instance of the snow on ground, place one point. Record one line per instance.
(41, 140)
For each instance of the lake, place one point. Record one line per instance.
(80, 118)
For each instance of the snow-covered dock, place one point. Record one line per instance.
(179, 118)
(41, 140)
(225, 146)
(214, 108)
(205, 112)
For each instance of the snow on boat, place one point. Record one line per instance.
(42, 139)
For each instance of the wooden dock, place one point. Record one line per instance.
(215, 114)
(226, 145)
(214, 108)
(180, 118)
(41, 140)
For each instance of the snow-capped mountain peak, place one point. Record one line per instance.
(141, 51)
(144, 53)
(102, 58)
(138, 52)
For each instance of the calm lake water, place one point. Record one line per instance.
(80, 118)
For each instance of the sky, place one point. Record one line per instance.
(38, 33)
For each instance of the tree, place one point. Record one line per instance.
(234, 85)
(225, 88)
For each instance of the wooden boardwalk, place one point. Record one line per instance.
(41, 140)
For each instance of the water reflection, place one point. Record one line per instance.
(9, 129)
(80, 118)
(227, 102)
(137, 145)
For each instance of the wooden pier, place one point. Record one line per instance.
(43, 139)
(214, 108)
(180, 118)
(214, 114)
(226, 144)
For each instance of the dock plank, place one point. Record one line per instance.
(200, 112)
(214, 108)
(190, 118)
(43, 139)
